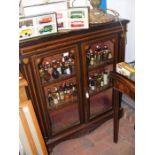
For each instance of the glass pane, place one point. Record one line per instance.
(60, 85)
(100, 102)
(98, 54)
(99, 59)
(62, 103)
(57, 67)
(100, 90)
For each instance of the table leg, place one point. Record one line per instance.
(116, 100)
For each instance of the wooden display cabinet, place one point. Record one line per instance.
(68, 78)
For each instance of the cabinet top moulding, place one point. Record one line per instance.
(29, 46)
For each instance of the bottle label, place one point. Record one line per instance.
(59, 70)
(102, 83)
(92, 87)
(55, 100)
(105, 79)
(68, 71)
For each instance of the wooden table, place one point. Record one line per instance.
(121, 84)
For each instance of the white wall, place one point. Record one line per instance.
(126, 9)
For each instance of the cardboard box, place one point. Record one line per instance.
(126, 70)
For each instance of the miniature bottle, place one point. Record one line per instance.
(63, 68)
(68, 68)
(50, 98)
(41, 70)
(66, 90)
(49, 68)
(56, 92)
(47, 75)
(66, 56)
(55, 100)
(105, 76)
(55, 73)
(92, 58)
(105, 54)
(102, 81)
(74, 91)
(59, 67)
(61, 92)
(92, 84)
(109, 55)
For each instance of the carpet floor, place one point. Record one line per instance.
(100, 141)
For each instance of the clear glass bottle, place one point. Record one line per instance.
(88, 56)
(61, 92)
(41, 71)
(55, 73)
(47, 75)
(92, 58)
(74, 91)
(58, 62)
(57, 93)
(68, 68)
(110, 55)
(92, 85)
(105, 49)
(50, 98)
(105, 76)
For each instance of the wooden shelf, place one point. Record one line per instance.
(62, 105)
(101, 90)
(62, 78)
(101, 65)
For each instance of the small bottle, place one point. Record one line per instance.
(88, 56)
(109, 55)
(66, 56)
(98, 50)
(95, 56)
(61, 92)
(49, 68)
(55, 73)
(59, 67)
(74, 90)
(71, 54)
(63, 69)
(56, 92)
(56, 97)
(92, 58)
(47, 75)
(55, 100)
(105, 76)
(92, 84)
(68, 69)
(105, 49)
(41, 71)
(67, 92)
(50, 98)
(102, 81)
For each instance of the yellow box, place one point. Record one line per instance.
(126, 70)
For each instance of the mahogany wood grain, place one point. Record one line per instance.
(121, 84)
(31, 50)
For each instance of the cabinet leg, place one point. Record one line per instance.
(116, 99)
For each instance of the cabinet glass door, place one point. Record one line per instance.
(59, 79)
(98, 61)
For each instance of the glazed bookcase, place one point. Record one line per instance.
(88, 100)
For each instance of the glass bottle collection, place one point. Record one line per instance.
(62, 94)
(54, 69)
(98, 81)
(97, 56)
